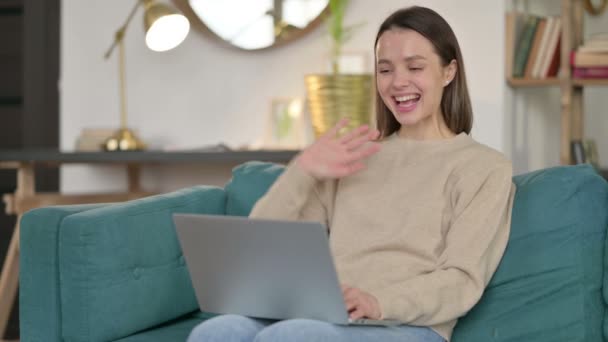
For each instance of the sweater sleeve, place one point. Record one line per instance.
(475, 243)
(295, 196)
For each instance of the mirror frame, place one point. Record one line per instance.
(199, 25)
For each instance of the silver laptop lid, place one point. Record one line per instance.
(261, 268)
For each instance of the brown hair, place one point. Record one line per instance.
(455, 102)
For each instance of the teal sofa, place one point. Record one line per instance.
(115, 272)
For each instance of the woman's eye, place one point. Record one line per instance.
(415, 68)
(383, 71)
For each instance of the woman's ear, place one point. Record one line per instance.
(450, 72)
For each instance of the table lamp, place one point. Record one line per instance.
(165, 29)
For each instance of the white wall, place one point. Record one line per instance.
(204, 93)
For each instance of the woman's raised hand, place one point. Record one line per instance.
(332, 157)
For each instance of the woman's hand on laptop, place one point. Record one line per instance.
(333, 156)
(360, 304)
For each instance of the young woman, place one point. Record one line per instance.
(418, 212)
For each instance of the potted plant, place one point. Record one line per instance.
(337, 95)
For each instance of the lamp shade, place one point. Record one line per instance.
(165, 28)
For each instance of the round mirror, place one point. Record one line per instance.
(254, 24)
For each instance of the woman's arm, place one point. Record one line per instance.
(295, 196)
(306, 190)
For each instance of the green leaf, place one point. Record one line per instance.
(338, 33)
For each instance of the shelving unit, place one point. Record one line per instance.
(589, 82)
(571, 89)
(532, 82)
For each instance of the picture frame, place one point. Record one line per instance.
(286, 124)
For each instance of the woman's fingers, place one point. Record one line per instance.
(356, 142)
(351, 299)
(336, 157)
(350, 306)
(357, 314)
(355, 308)
(360, 304)
(352, 162)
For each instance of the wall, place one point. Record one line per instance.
(204, 93)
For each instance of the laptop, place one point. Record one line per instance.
(266, 269)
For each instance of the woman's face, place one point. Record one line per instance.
(410, 81)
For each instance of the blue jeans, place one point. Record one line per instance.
(234, 328)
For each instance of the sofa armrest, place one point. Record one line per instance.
(119, 268)
(39, 309)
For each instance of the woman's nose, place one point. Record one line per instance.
(401, 79)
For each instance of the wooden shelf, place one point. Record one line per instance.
(571, 90)
(532, 82)
(549, 82)
(51, 156)
(580, 82)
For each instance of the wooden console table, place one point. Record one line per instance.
(25, 196)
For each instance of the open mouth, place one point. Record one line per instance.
(407, 99)
(407, 102)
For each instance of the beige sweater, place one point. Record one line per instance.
(422, 228)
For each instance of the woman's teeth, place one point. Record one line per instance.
(403, 99)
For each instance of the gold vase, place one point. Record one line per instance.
(332, 97)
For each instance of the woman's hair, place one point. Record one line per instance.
(455, 102)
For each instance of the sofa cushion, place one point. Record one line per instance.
(548, 284)
(121, 268)
(249, 182)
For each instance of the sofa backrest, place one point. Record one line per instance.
(548, 286)
(249, 182)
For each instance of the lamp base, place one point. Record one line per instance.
(124, 140)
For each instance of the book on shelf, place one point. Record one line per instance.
(585, 152)
(577, 152)
(595, 43)
(514, 22)
(588, 59)
(550, 62)
(591, 153)
(524, 45)
(590, 72)
(551, 69)
(592, 54)
(594, 48)
(543, 47)
(532, 45)
(535, 48)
